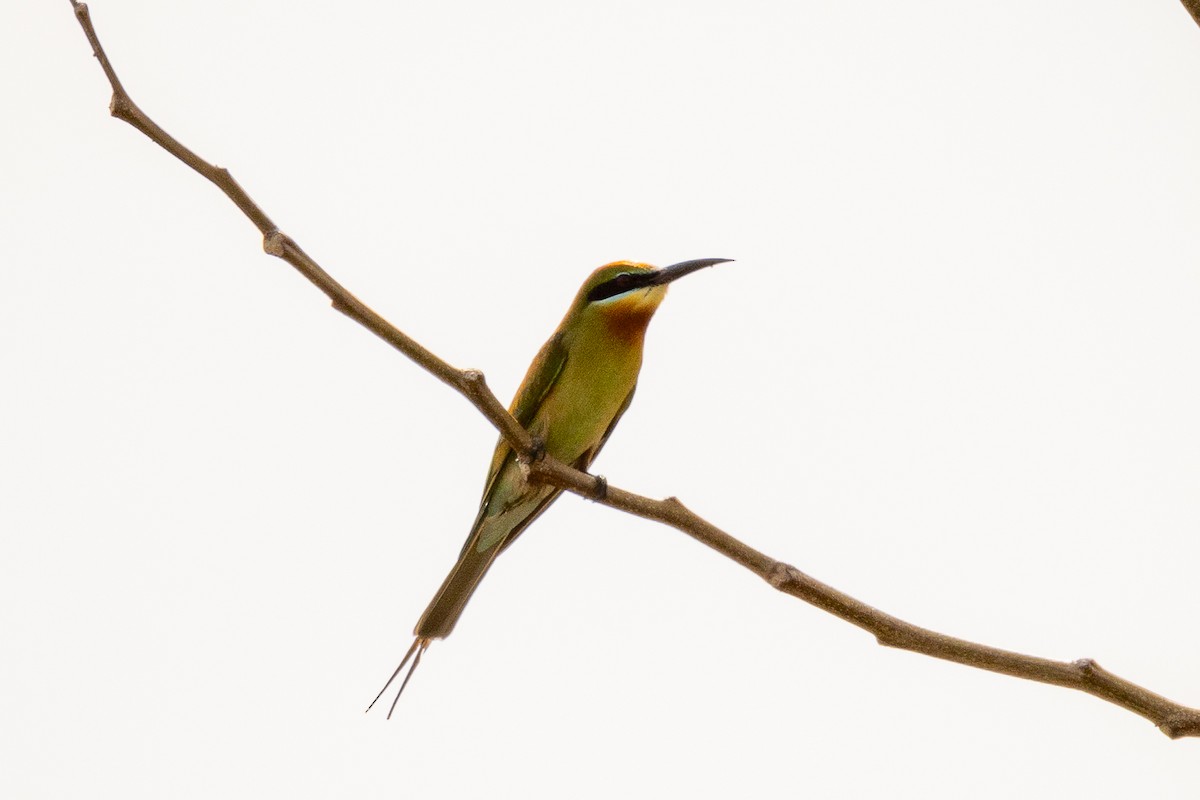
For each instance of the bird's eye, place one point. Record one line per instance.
(610, 288)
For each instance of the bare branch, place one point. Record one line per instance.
(1173, 719)
(1193, 8)
(1085, 674)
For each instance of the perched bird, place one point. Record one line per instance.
(572, 397)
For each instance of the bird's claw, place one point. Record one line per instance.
(600, 488)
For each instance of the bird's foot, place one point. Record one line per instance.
(537, 450)
(526, 461)
(599, 488)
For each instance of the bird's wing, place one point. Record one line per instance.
(581, 463)
(543, 373)
(508, 505)
(540, 378)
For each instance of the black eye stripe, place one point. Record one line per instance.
(612, 287)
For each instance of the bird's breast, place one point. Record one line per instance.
(598, 376)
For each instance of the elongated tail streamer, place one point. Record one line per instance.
(419, 645)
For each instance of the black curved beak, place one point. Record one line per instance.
(675, 271)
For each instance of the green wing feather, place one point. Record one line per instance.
(478, 552)
(582, 463)
(543, 373)
(486, 540)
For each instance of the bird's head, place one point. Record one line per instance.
(627, 293)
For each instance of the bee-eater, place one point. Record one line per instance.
(573, 395)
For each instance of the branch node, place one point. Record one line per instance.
(473, 384)
(893, 637)
(780, 575)
(473, 381)
(677, 506)
(121, 107)
(274, 242)
(1086, 666)
(1178, 725)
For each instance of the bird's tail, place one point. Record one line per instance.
(441, 615)
(490, 535)
(448, 604)
(418, 648)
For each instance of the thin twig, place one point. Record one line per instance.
(1085, 674)
(1173, 719)
(1193, 8)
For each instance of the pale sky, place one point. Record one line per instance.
(953, 372)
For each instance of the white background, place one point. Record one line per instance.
(954, 372)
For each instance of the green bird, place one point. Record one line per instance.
(573, 395)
